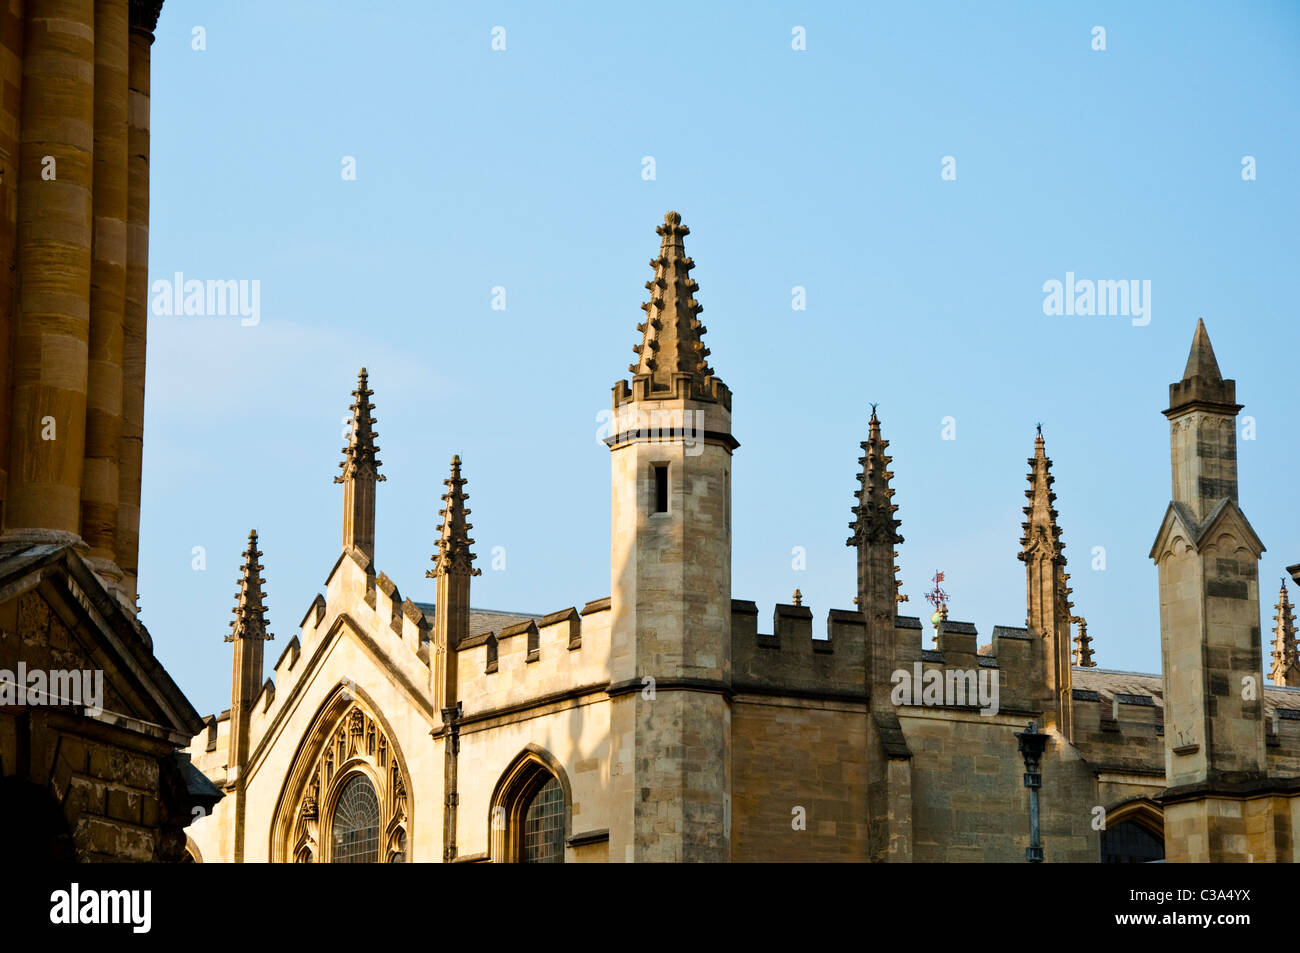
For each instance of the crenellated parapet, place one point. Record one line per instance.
(1014, 658)
(790, 660)
(533, 660)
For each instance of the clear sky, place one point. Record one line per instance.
(820, 168)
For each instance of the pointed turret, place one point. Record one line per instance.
(875, 534)
(671, 333)
(672, 361)
(670, 572)
(1202, 418)
(1047, 590)
(248, 632)
(875, 529)
(1207, 556)
(1286, 653)
(360, 466)
(453, 566)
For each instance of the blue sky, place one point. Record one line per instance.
(819, 168)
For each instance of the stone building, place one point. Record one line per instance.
(659, 723)
(91, 725)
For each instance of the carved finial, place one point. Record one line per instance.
(1082, 644)
(1286, 651)
(359, 456)
(797, 597)
(453, 556)
(1040, 527)
(250, 601)
(873, 514)
(671, 334)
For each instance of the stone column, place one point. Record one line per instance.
(11, 76)
(107, 290)
(51, 336)
(144, 17)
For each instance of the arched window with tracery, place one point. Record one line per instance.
(345, 800)
(356, 823)
(529, 819)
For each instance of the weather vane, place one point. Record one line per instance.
(937, 598)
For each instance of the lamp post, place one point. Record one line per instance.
(1031, 749)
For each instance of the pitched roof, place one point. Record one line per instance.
(485, 620)
(1109, 682)
(155, 698)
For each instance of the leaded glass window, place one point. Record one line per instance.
(356, 823)
(544, 826)
(1128, 843)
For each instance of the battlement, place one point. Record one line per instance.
(532, 659)
(1014, 654)
(684, 387)
(791, 660)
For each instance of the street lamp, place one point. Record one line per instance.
(1031, 749)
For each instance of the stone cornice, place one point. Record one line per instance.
(144, 15)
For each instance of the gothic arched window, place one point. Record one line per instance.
(346, 798)
(529, 818)
(1130, 843)
(356, 823)
(544, 826)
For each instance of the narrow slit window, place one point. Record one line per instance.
(661, 489)
(726, 503)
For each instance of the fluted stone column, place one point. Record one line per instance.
(99, 498)
(54, 248)
(144, 17)
(11, 79)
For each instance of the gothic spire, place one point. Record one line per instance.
(1202, 384)
(359, 456)
(1200, 361)
(1082, 644)
(873, 513)
(670, 342)
(1041, 531)
(1286, 652)
(250, 606)
(875, 529)
(453, 557)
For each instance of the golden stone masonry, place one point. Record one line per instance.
(655, 723)
(659, 724)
